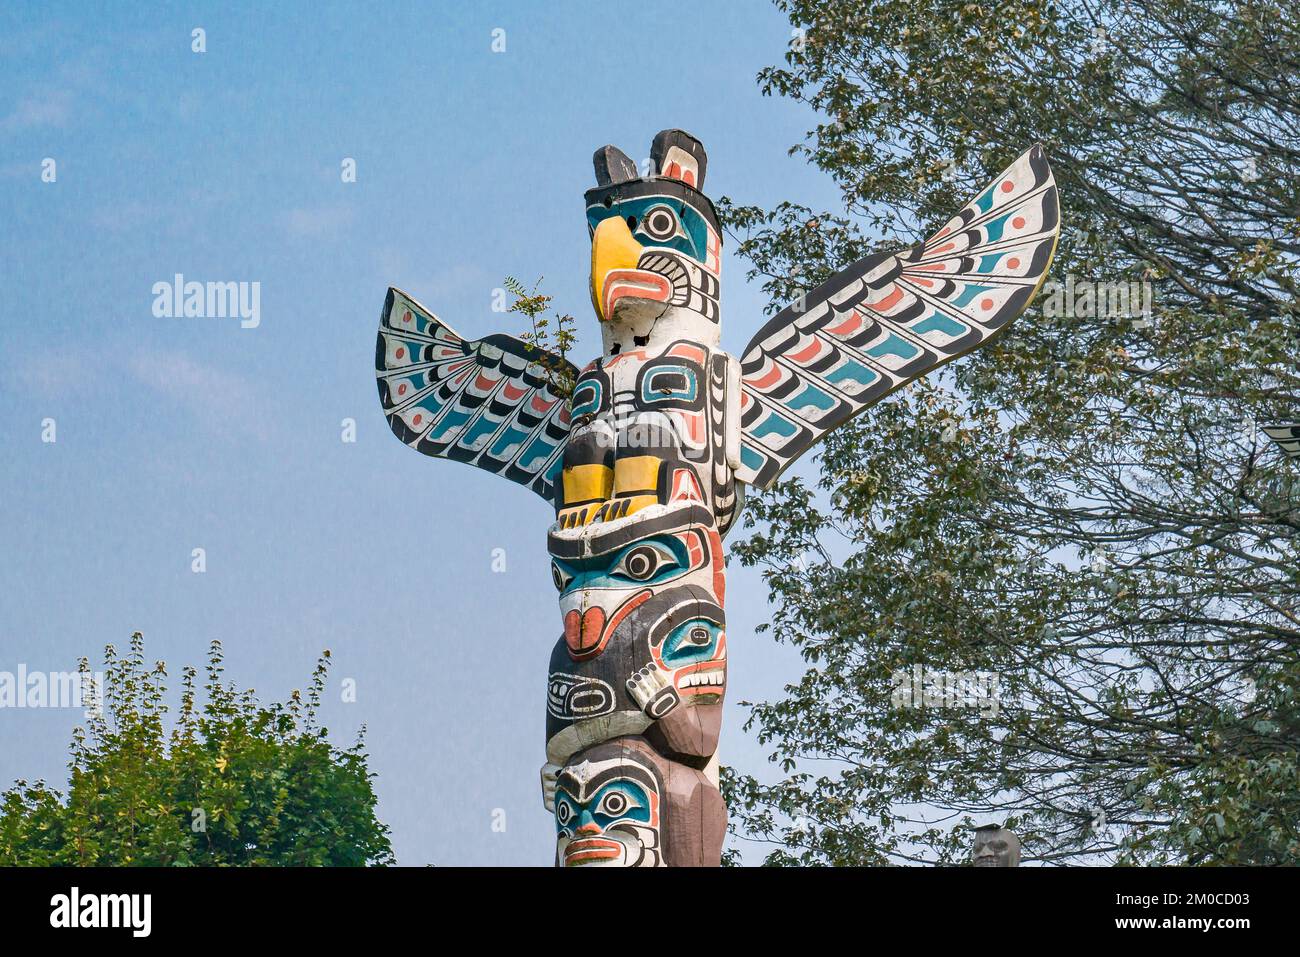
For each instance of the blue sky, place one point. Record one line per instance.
(175, 434)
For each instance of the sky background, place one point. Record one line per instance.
(176, 434)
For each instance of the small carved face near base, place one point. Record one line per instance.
(608, 810)
(623, 804)
(995, 847)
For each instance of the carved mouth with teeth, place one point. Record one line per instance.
(706, 678)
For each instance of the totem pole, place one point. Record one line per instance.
(645, 461)
(995, 846)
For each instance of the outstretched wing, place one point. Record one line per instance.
(892, 317)
(487, 402)
(1287, 437)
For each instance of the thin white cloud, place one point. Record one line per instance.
(222, 402)
(317, 222)
(53, 376)
(48, 108)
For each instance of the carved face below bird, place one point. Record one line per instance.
(644, 648)
(655, 246)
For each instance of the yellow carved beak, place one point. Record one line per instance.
(612, 247)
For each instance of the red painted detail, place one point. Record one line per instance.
(513, 392)
(685, 350)
(1008, 186)
(694, 548)
(719, 569)
(1013, 263)
(986, 304)
(889, 302)
(637, 284)
(767, 379)
(694, 423)
(582, 632)
(686, 487)
(852, 323)
(588, 849)
(584, 639)
(807, 352)
(1018, 222)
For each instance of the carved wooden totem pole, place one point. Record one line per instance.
(995, 846)
(646, 460)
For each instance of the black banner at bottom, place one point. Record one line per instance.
(334, 906)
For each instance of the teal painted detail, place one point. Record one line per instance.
(970, 292)
(690, 228)
(893, 346)
(553, 473)
(774, 423)
(454, 419)
(940, 322)
(811, 395)
(511, 436)
(667, 388)
(431, 405)
(586, 398)
(484, 426)
(853, 371)
(994, 227)
(751, 459)
(540, 447)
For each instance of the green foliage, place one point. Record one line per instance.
(233, 783)
(1085, 508)
(552, 343)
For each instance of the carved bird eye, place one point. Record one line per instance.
(641, 563)
(563, 813)
(560, 577)
(660, 223)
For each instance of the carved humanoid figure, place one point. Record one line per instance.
(645, 461)
(995, 846)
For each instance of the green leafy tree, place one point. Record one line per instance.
(1086, 509)
(553, 342)
(233, 783)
